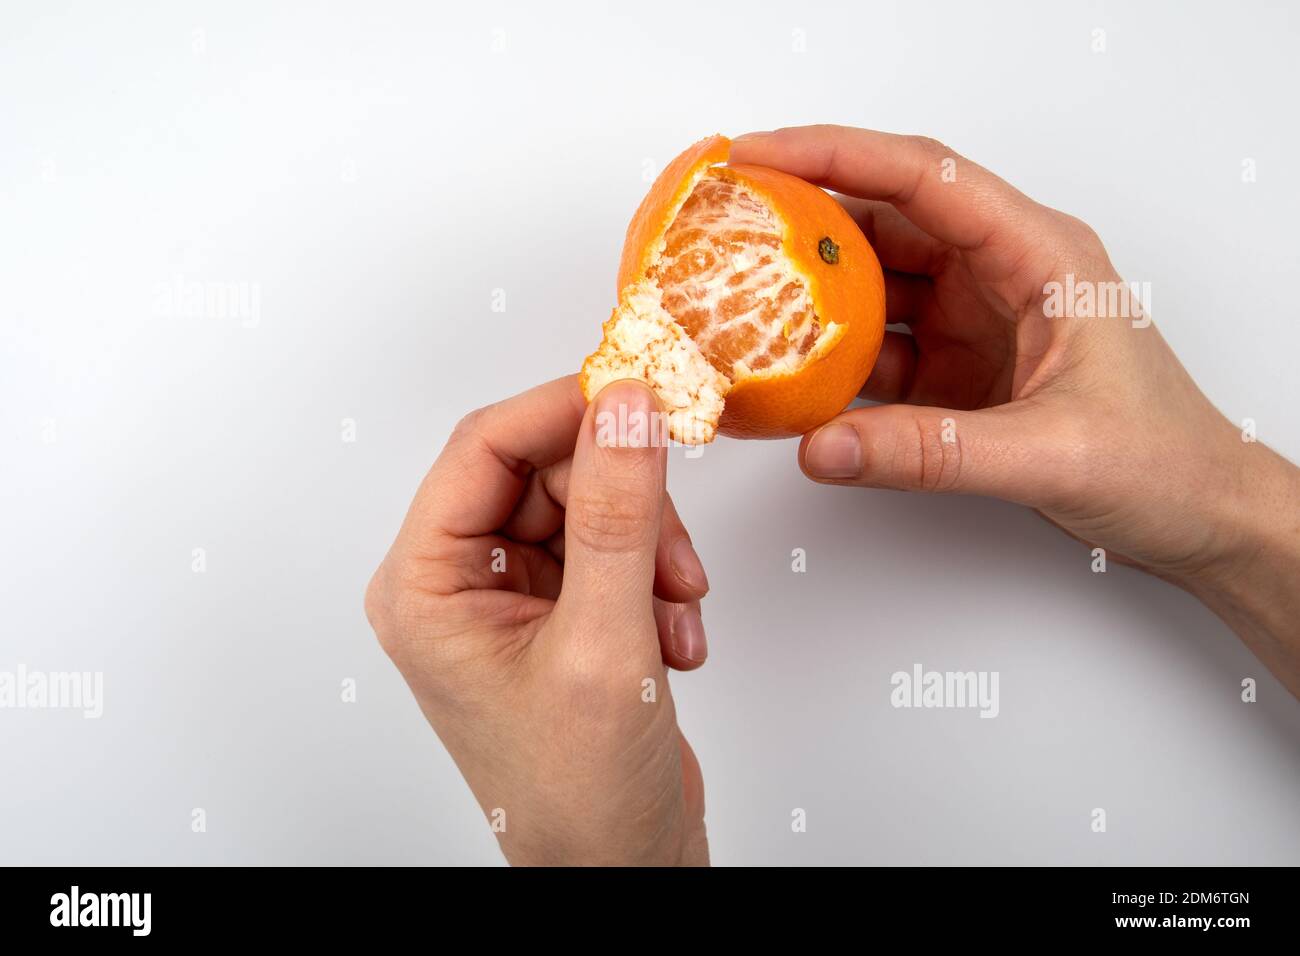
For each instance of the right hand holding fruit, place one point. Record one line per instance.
(1088, 418)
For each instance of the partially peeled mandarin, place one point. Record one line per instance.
(749, 301)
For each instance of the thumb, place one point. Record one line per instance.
(991, 451)
(616, 497)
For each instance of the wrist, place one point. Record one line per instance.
(1253, 580)
(1256, 528)
(559, 846)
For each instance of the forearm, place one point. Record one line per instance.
(1255, 587)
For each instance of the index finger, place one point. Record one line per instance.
(477, 480)
(950, 197)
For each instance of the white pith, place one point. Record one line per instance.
(643, 342)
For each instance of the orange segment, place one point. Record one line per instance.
(726, 282)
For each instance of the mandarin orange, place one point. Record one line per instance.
(749, 301)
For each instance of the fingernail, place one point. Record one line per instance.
(687, 565)
(688, 635)
(627, 416)
(746, 137)
(835, 451)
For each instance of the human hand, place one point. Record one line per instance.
(517, 602)
(1091, 420)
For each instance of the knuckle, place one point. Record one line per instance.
(394, 609)
(596, 681)
(379, 608)
(614, 517)
(931, 146)
(935, 461)
(586, 677)
(470, 424)
(1080, 235)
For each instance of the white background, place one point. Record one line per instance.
(374, 171)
